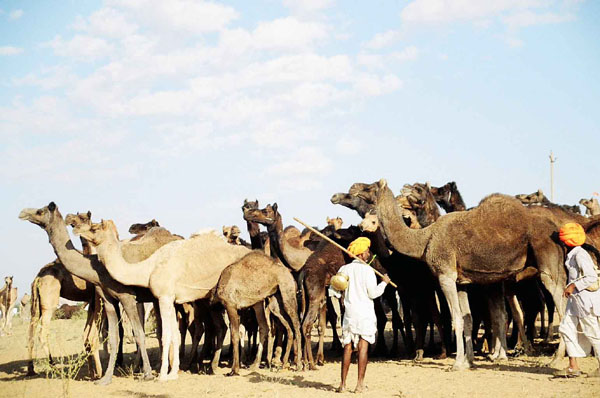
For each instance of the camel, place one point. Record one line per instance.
(448, 197)
(247, 283)
(336, 223)
(258, 240)
(8, 299)
(484, 245)
(539, 199)
(179, 272)
(292, 256)
(52, 282)
(23, 303)
(91, 270)
(141, 229)
(232, 233)
(592, 207)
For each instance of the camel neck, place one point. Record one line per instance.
(132, 274)
(293, 258)
(73, 260)
(410, 242)
(254, 232)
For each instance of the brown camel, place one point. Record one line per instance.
(232, 234)
(91, 270)
(52, 282)
(592, 207)
(258, 239)
(247, 283)
(484, 245)
(179, 272)
(449, 197)
(292, 256)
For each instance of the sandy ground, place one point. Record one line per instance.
(524, 376)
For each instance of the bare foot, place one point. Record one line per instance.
(341, 388)
(359, 388)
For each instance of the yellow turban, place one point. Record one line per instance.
(572, 234)
(359, 246)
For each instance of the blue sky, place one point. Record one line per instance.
(141, 109)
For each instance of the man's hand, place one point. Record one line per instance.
(386, 279)
(569, 290)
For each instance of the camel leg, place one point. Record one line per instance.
(448, 286)
(420, 329)
(556, 290)
(219, 331)
(263, 330)
(176, 342)
(234, 329)
(167, 313)
(112, 316)
(498, 318)
(34, 321)
(517, 312)
(142, 315)
(307, 325)
(282, 319)
(437, 321)
(288, 299)
(322, 326)
(90, 338)
(465, 309)
(380, 346)
(336, 344)
(409, 342)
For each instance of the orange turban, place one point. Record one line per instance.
(572, 234)
(359, 245)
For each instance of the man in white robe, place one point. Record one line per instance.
(360, 323)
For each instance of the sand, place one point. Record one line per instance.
(525, 376)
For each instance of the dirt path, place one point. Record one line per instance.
(520, 377)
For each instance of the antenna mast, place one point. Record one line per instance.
(552, 160)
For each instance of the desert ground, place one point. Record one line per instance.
(524, 376)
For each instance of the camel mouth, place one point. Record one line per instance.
(336, 198)
(27, 215)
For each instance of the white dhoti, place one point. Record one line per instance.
(349, 337)
(580, 335)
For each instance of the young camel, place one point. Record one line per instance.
(179, 272)
(8, 298)
(247, 283)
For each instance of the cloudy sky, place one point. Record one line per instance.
(178, 110)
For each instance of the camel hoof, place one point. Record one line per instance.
(148, 376)
(458, 366)
(320, 362)
(418, 356)
(103, 381)
(233, 373)
(443, 355)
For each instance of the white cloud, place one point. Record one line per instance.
(384, 39)
(15, 14)
(287, 33)
(9, 50)
(528, 18)
(178, 15)
(442, 11)
(302, 170)
(304, 6)
(81, 47)
(374, 85)
(410, 53)
(47, 78)
(106, 22)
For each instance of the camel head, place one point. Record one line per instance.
(232, 233)
(80, 218)
(370, 223)
(137, 229)
(98, 233)
(367, 192)
(443, 194)
(42, 217)
(250, 205)
(352, 202)
(335, 222)
(8, 280)
(267, 216)
(536, 198)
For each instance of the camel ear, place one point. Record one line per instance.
(274, 206)
(382, 183)
(89, 214)
(52, 206)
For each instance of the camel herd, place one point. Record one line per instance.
(503, 252)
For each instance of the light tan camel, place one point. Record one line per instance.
(247, 283)
(8, 299)
(179, 272)
(336, 222)
(592, 207)
(487, 244)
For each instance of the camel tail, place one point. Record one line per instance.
(301, 293)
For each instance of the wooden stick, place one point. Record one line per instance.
(342, 248)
